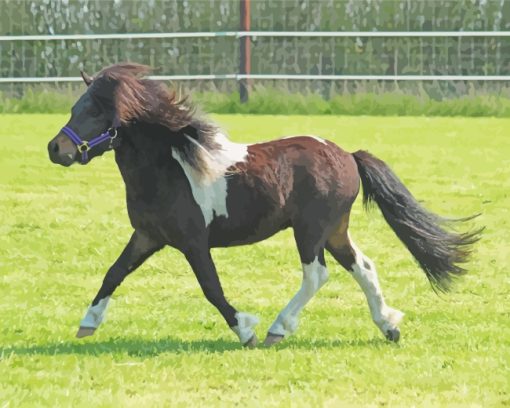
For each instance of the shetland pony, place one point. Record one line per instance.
(189, 187)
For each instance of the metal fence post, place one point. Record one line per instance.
(244, 51)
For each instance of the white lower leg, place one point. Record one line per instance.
(315, 276)
(364, 272)
(95, 314)
(245, 324)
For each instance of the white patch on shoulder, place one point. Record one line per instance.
(211, 195)
(310, 136)
(230, 152)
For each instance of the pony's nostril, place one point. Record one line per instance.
(54, 148)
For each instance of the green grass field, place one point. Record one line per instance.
(164, 345)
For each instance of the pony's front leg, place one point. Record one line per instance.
(139, 248)
(203, 266)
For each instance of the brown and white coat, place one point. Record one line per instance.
(189, 187)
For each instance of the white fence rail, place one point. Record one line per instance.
(239, 34)
(282, 77)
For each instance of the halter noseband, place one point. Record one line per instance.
(84, 146)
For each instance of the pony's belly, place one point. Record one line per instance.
(223, 233)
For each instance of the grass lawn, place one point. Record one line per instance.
(164, 345)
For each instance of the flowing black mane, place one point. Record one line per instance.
(136, 98)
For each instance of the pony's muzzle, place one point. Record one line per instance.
(61, 150)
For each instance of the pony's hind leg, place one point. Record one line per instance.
(363, 271)
(315, 276)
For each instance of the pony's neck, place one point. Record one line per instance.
(143, 150)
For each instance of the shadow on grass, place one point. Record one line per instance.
(150, 348)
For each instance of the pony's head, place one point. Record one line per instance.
(115, 97)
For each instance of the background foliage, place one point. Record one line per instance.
(477, 56)
(282, 102)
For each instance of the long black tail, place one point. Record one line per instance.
(437, 250)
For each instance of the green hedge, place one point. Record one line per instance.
(273, 101)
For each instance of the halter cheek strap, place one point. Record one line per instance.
(84, 146)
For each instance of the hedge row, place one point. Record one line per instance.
(272, 101)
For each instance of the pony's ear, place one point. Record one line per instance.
(86, 78)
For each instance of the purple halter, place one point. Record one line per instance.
(84, 146)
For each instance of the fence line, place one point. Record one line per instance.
(238, 34)
(382, 77)
(282, 76)
(244, 76)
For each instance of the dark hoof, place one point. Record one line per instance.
(85, 331)
(272, 339)
(393, 335)
(252, 343)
